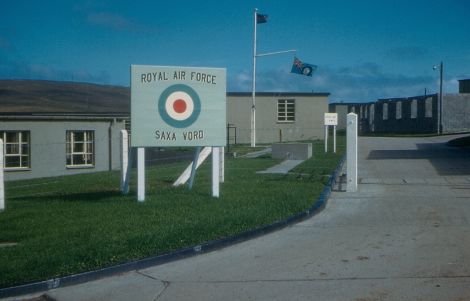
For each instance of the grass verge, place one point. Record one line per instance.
(66, 225)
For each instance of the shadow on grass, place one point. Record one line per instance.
(86, 197)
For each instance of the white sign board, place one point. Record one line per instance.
(178, 106)
(331, 118)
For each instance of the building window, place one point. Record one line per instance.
(414, 108)
(428, 107)
(398, 107)
(80, 148)
(286, 110)
(385, 111)
(16, 149)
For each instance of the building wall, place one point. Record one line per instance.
(417, 115)
(309, 117)
(456, 113)
(408, 115)
(342, 111)
(48, 146)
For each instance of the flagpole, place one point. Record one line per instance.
(253, 92)
(253, 97)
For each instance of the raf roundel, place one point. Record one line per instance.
(179, 106)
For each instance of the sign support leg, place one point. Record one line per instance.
(124, 161)
(140, 174)
(221, 165)
(215, 171)
(193, 167)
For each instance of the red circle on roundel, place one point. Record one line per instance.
(179, 106)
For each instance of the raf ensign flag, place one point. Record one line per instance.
(299, 67)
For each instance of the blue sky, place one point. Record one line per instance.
(364, 49)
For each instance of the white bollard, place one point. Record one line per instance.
(124, 161)
(2, 182)
(351, 152)
(140, 174)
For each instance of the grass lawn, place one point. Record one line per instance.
(73, 224)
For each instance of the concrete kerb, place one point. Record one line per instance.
(46, 285)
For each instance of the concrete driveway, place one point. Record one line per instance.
(405, 235)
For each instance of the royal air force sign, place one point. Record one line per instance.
(178, 106)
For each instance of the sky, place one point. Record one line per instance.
(365, 49)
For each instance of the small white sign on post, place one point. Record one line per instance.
(330, 119)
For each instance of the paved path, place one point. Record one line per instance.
(405, 235)
(283, 167)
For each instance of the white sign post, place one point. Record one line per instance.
(140, 174)
(331, 119)
(2, 183)
(177, 106)
(215, 171)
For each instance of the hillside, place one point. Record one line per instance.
(34, 96)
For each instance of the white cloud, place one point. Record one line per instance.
(360, 83)
(117, 22)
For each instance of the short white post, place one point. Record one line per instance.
(326, 138)
(351, 152)
(140, 174)
(222, 165)
(215, 171)
(2, 183)
(124, 160)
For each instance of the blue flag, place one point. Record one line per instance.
(261, 18)
(299, 67)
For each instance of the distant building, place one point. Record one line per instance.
(464, 86)
(411, 115)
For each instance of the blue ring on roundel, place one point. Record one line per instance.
(167, 118)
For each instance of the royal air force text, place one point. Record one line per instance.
(178, 75)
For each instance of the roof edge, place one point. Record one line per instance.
(279, 94)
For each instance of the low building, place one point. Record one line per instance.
(55, 128)
(280, 117)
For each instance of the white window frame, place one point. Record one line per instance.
(414, 109)
(385, 111)
(286, 110)
(82, 149)
(23, 150)
(428, 107)
(398, 110)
